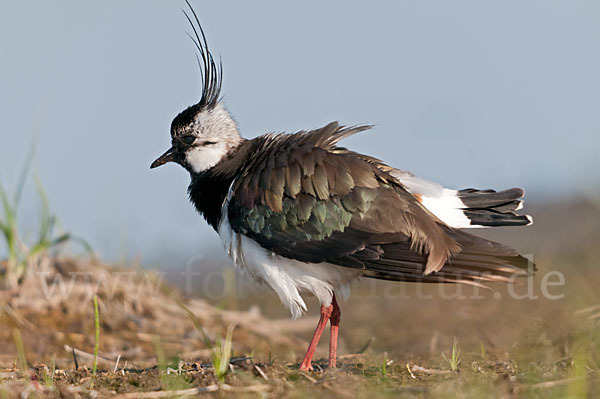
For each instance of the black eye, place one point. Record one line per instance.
(188, 139)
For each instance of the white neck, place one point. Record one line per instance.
(203, 158)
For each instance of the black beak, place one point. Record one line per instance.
(168, 156)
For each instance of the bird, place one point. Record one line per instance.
(299, 213)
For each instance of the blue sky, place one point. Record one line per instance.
(467, 93)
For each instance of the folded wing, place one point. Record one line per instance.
(304, 198)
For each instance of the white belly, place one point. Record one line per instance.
(287, 277)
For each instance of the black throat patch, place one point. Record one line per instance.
(208, 190)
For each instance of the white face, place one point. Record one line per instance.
(215, 135)
(205, 157)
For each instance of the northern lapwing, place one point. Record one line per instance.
(301, 214)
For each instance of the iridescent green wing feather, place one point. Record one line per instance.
(302, 197)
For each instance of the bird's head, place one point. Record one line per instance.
(205, 132)
(200, 138)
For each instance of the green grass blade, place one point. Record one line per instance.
(169, 293)
(8, 212)
(60, 239)
(9, 231)
(97, 346)
(46, 219)
(21, 359)
(455, 357)
(5, 204)
(87, 247)
(221, 355)
(23, 175)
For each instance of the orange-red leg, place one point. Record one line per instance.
(335, 325)
(325, 315)
(328, 313)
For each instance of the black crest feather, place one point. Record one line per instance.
(211, 75)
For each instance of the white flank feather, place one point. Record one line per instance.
(287, 277)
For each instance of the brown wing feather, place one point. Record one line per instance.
(348, 191)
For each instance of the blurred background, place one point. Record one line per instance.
(465, 93)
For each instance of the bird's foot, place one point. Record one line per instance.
(306, 366)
